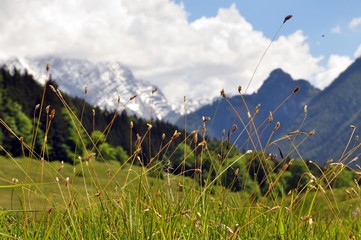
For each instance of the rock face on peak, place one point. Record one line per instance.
(105, 81)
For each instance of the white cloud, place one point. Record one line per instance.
(355, 22)
(358, 52)
(335, 65)
(155, 39)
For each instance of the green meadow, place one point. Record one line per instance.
(96, 200)
(72, 171)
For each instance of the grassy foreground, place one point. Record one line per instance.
(93, 200)
(108, 200)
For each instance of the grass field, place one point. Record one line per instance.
(95, 200)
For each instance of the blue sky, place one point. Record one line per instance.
(190, 48)
(314, 18)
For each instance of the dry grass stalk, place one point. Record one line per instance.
(176, 134)
(295, 132)
(312, 132)
(52, 114)
(277, 126)
(67, 181)
(296, 89)
(37, 106)
(52, 88)
(47, 109)
(195, 133)
(234, 128)
(288, 17)
(204, 129)
(270, 117)
(59, 94)
(223, 94)
(138, 140)
(203, 143)
(47, 67)
(257, 109)
(205, 119)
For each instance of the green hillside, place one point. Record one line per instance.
(21, 106)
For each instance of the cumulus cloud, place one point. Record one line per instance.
(335, 65)
(358, 52)
(155, 39)
(355, 23)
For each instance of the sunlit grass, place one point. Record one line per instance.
(97, 198)
(137, 206)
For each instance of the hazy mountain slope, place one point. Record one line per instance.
(278, 86)
(331, 113)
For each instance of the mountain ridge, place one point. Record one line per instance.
(275, 89)
(330, 111)
(22, 100)
(333, 113)
(106, 83)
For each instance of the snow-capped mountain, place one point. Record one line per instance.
(105, 81)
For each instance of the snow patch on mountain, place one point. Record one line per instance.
(106, 83)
